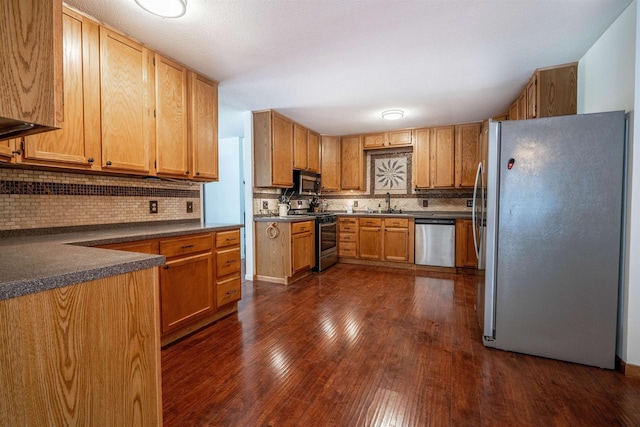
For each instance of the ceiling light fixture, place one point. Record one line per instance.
(164, 8)
(392, 114)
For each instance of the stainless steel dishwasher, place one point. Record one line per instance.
(435, 242)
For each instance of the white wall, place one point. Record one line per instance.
(248, 192)
(606, 73)
(606, 82)
(224, 200)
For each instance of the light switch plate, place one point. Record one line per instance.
(189, 207)
(355, 204)
(265, 204)
(153, 206)
(425, 203)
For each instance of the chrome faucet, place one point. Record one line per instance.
(387, 199)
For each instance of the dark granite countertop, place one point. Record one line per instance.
(38, 263)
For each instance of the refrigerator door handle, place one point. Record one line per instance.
(474, 216)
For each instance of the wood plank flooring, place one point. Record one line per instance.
(362, 346)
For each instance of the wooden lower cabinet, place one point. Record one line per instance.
(396, 239)
(285, 252)
(376, 240)
(465, 248)
(200, 281)
(84, 354)
(370, 238)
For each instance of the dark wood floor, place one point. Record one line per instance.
(358, 346)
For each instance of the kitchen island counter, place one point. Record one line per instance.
(37, 263)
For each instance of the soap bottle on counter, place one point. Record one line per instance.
(379, 208)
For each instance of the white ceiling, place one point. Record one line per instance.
(335, 65)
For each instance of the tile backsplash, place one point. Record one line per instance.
(41, 199)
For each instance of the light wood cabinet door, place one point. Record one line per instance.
(465, 250)
(186, 290)
(351, 163)
(203, 117)
(556, 90)
(282, 152)
(396, 244)
(302, 251)
(7, 150)
(31, 65)
(467, 146)
(532, 98)
(77, 143)
(375, 140)
(300, 147)
(126, 78)
(172, 151)
(422, 158)
(522, 105)
(330, 163)
(513, 110)
(442, 157)
(370, 242)
(400, 138)
(313, 163)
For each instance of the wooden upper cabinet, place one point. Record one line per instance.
(467, 147)
(522, 105)
(272, 150)
(513, 110)
(31, 65)
(330, 163)
(203, 118)
(375, 140)
(77, 143)
(422, 158)
(126, 77)
(442, 157)
(8, 150)
(531, 90)
(300, 147)
(400, 138)
(172, 151)
(555, 90)
(352, 163)
(313, 162)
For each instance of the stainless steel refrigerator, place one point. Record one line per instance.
(552, 244)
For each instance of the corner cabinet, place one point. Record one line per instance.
(273, 146)
(330, 163)
(203, 127)
(126, 95)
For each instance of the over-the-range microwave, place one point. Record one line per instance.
(306, 184)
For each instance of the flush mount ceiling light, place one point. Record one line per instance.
(164, 8)
(392, 114)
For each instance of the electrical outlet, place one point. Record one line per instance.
(265, 204)
(470, 203)
(425, 203)
(355, 204)
(153, 206)
(189, 207)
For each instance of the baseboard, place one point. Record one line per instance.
(627, 369)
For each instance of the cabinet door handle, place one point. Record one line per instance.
(90, 160)
(166, 267)
(197, 173)
(108, 163)
(186, 172)
(186, 246)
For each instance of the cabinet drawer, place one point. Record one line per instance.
(229, 290)
(351, 221)
(349, 227)
(348, 237)
(227, 262)
(302, 227)
(396, 222)
(371, 222)
(227, 238)
(144, 247)
(347, 250)
(186, 245)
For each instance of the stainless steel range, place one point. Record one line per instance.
(326, 240)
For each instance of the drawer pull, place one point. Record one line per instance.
(230, 261)
(230, 239)
(231, 292)
(186, 246)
